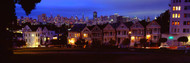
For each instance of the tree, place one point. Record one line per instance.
(80, 42)
(164, 21)
(96, 43)
(9, 22)
(112, 42)
(143, 42)
(163, 40)
(20, 43)
(182, 39)
(59, 42)
(126, 42)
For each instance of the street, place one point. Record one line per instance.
(61, 55)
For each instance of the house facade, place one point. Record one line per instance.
(75, 33)
(153, 32)
(36, 36)
(97, 34)
(138, 32)
(109, 33)
(123, 32)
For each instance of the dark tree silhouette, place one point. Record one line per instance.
(80, 42)
(8, 22)
(126, 42)
(96, 43)
(20, 43)
(143, 42)
(163, 40)
(182, 39)
(112, 42)
(164, 21)
(28, 5)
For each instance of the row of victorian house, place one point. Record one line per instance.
(116, 31)
(39, 35)
(34, 36)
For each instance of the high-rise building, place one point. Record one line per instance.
(95, 15)
(180, 17)
(148, 19)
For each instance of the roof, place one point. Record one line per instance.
(144, 23)
(128, 24)
(102, 26)
(90, 27)
(78, 27)
(115, 25)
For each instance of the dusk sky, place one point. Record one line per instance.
(68, 8)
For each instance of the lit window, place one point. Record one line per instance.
(32, 35)
(176, 23)
(178, 15)
(173, 15)
(172, 22)
(179, 8)
(55, 38)
(72, 41)
(85, 35)
(173, 8)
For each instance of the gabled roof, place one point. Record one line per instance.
(144, 23)
(102, 26)
(90, 27)
(154, 25)
(136, 25)
(128, 24)
(78, 27)
(115, 25)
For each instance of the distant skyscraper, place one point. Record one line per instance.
(82, 19)
(95, 15)
(86, 19)
(148, 19)
(120, 19)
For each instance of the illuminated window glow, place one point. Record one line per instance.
(148, 36)
(178, 16)
(55, 38)
(72, 41)
(32, 35)
(85, 35)
(132, 38)
(173, 15)
(176, 8)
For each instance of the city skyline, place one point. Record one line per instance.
(70, 8)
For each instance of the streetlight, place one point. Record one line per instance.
(130, 36)
(148, 37)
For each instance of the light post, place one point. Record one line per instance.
(129, 34)
(148, 37)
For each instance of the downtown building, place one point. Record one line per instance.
(179, 22)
